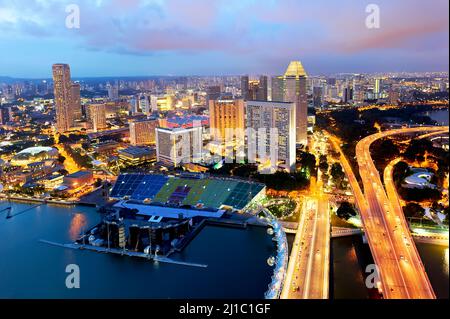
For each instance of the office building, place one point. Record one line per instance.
(97, 113)
(262, 116)
(213, 93)
(262, 93)
(377, 88)
(226, 115)
(63, 97)
(136, 155)
(76, 101)
(244, 87)
(292, 87)
(113, 92)
(176, 146)
(5, 115)
(143, 132)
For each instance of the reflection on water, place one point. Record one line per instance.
(435, 260)
(347, 274)
(77, 225)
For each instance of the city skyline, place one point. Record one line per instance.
(140, 38)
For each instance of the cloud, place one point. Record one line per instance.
(268, 31)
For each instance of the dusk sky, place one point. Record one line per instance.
(220, 37)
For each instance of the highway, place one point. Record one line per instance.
(400, 270)
(308, 270)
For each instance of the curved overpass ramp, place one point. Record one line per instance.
(401, 271)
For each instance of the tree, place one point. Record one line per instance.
(323, 164)
(413, 210)
(346, 210)
(337, 173)
(308, 161)
(417, 148)
(400, 171)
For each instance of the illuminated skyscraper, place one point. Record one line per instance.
(262, 93)
(244, 87)
(143, 132)
(76, 101)
(63, 97)
(377, 88)
(263, 115)
(97, 114)
(292, 87)
(225, 114)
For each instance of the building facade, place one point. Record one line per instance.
(76, 101)
(292, 87)
(226, 114)
(63, 97)
(262, 116)
(143, 132)
(97, 114)
(176, 146)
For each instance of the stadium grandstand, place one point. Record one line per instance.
(199, 193)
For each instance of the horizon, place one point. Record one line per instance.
(223, 75)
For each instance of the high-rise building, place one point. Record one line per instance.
(143, 132)
(347, 94)
(144, 103)
(5, 115)
(226, 114)
(76, 101)
(63, 97)
(244, 87)
(292, 87)
(213, 93)
(113, 92)
(176, 146)
(377, 88)
(317, 96)
(97, 114)
(262, 116)
(262, 93)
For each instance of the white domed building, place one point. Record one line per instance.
(34, 154)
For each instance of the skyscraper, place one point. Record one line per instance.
(63, 97)
(292, 87)
(377, 88)
(97, 113)
(113, 92)
(244, 87)
(143, 132)
(262, 93)
(225, 114)
(5, 115)
(263, 115)
(76, 101)
(213, 93)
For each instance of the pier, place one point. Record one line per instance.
(123, 252)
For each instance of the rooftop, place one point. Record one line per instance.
(79, 174)
(296, 69)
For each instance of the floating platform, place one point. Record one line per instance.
(124, 253)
